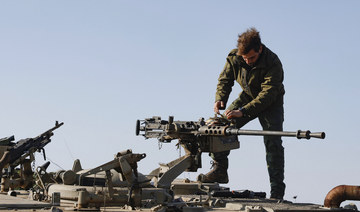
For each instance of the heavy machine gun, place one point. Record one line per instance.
(214, 135)
(22, 153)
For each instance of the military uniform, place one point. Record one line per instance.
(262, 98)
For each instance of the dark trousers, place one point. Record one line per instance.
(271, 119)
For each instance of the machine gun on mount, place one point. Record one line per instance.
(21, 153)
(214, 135)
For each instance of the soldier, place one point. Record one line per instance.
(259, 72)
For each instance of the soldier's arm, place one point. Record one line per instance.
(225, 83)
(270, 89)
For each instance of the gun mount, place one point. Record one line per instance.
(214, 135)
(116, 182)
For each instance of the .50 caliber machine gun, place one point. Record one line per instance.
(214, 135)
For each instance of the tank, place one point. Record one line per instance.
(118, 186)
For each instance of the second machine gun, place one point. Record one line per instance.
(214, 135)
(21, 153)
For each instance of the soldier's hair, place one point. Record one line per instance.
(249, 40)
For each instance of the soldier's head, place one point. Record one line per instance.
(249, 46)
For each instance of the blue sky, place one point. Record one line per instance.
(98, 66)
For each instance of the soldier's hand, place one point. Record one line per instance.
(233, 114)
(219, 105)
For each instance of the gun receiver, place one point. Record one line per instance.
(214, 135)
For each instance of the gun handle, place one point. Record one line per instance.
(137, 131)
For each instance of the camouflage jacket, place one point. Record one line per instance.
(262, 84)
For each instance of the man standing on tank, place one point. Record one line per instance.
(259, 72)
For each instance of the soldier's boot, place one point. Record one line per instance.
(277, 188)
(217, 174)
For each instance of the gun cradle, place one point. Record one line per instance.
(220, 143)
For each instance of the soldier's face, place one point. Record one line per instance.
(252, 56)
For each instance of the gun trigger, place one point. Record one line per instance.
(43, 150)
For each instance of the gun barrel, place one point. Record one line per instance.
(298, 134)
(57, 125)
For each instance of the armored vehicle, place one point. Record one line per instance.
(118, 186)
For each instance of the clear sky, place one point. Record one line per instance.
(98, 66)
